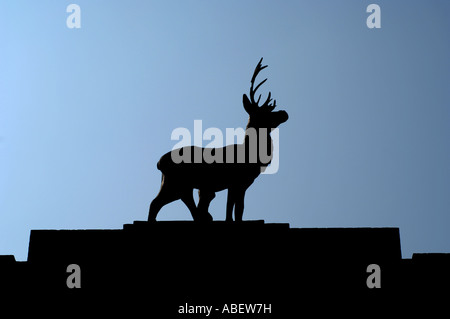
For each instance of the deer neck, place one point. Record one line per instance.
(258, 145)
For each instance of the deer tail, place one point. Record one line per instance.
(158, 165)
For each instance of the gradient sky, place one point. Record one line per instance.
(85, 114)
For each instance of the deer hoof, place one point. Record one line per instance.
(206, 217)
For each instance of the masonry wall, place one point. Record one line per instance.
(167, 264)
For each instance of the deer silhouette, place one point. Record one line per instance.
(235, 166)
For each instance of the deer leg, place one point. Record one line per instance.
(239, 205)
(167, 194)
(205, 198)
(155, 207)
(230, 205)
(188, 200)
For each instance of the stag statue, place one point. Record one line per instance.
(235, 166)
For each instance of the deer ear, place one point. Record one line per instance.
(247, 104)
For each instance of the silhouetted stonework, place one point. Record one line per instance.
(165, 265)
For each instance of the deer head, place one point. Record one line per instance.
(262, 116)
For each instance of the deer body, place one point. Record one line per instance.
(235, 166)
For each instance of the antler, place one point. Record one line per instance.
(266, 105)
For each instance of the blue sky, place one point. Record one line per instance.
(85, 114)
